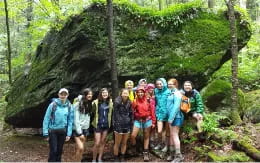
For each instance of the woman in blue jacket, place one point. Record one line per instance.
(175, 120)
(57, 124)
(161, 95)
(82, 121)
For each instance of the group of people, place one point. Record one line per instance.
(152, 108)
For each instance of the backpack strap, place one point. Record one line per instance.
(53, 109)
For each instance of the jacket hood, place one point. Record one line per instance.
(164, 83)
(129, 81)
(58, 102)
(141, 80)
(140, 88)
(149, 86)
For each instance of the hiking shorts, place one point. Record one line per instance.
(143, 125)
(85, 132)
(177, 122)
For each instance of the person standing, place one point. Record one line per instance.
(82, 109)
(57, 124)
(102, 109)
(161, 95)
(175, 120)
(144, 118)
(122, 123)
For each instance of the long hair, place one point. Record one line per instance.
(85, 105)
(175, 82)
(100, 98)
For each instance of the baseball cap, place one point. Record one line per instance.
(63, 90)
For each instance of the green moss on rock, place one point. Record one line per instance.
(184, 41)
(230, 156)
(217, 96)
(252, 112)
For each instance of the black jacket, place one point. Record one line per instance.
(122, 115)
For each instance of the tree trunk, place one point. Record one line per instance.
(234, 52)
(160, 4)
(211, 3)
(112, 52)
(8, 43)
(29, 17)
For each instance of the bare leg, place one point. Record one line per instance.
(124, 143)
(118, 138)
(102, 144)
(79, 148)
(96, 145)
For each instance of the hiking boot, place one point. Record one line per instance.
(146, 156)
(116, 159)
(178, 158)
(165, 149)
(158, 147)
(170, 157)
(122, 158)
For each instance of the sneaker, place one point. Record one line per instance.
(146, 156)
(158, 147)
(178, 158)
(165, 149)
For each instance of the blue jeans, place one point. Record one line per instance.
(56, 141)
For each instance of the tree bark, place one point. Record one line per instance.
(29, 17)
(234, 52)
(9, 59)
(211, 3)
(112, 52)
(160, 4)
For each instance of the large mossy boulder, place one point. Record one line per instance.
(184, 41)
(217, 96)
(252, 112)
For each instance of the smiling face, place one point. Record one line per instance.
(159, 84)
(125, 95)
(171, 85)
(143, 84)
(187, 87)
(129, 86)
(89, 96)
(63, 96)
(104, 94)
(140, 93)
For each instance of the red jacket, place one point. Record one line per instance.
(143, 109)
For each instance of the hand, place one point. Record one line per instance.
(81, 137)
(67, 138)
(153, 126)
(46, 138)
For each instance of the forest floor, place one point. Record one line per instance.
(24, 147)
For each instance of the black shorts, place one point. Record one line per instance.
(123, 131)
(101, 129)
(85, 132)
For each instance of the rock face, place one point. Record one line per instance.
(217, 96)
(253, 106)
(184, 41)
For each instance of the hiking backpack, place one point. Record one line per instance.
(185, 104)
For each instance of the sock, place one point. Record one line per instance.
(171, 148)
(177, 151)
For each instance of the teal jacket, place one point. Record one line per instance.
(161, 96)
(173, 105)
(81, 120)
(62, 118)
